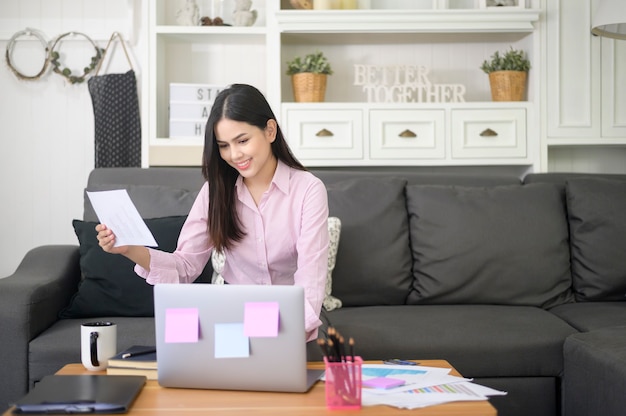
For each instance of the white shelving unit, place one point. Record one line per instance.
(585, 80)
(585, 95)
(450, 38)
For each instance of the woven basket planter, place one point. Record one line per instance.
(309, 87)
(508, 85)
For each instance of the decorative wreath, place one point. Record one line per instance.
(55, 57)
(11, 46)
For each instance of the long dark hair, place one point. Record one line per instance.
(238, 102)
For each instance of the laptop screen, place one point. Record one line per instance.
(232, 337)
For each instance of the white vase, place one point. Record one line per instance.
(243, 15)
(188, 14)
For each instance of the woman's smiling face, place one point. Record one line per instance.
(246, 147)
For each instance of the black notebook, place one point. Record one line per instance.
(81, 394)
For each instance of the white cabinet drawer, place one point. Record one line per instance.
(407, 134)
(494, 133)
(325, 134)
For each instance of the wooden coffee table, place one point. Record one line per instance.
(160, 401)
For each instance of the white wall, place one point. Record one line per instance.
(46, 126)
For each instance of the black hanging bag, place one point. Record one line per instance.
(116, 116)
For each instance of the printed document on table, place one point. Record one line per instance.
(430, 396)
(413, 376)
(424, 386)
(116, 210)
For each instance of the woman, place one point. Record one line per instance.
(259, 206)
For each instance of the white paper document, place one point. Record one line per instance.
(116, 210)
(424, 386)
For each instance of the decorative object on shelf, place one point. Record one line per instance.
(609, 19)
(243, 16)
(502, 3)
(217, 10)
(11, 46)
(301, 4)
(308, 77)
(189, 14)
(207, 21)
(189, 106)
(507, 75)
(57, 67)
(326, 4)
(404, 84)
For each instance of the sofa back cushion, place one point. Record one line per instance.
(152, 201)
(373, 265)
(489, 245)
(157, 191)
(597, 219)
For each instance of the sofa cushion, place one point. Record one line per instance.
(334, 233)
(589, 316)
(152, 201)
(597, 219)
(373, 264)
(503, 245)
(478, 340)
(110, 285)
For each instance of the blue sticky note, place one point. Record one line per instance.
(181, 325)
(383, 382)
(230, 341)
(261, 319)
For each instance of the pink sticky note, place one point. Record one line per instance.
(260, 319)
(181, 325)
(383, 382)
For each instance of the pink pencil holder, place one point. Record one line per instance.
(343, 384)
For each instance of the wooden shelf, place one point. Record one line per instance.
(414, 21)
(210, 30)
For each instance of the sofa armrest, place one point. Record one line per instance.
(30, 300)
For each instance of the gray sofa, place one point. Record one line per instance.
(519, 284)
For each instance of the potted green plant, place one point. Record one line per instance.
(508, 73)
(308, 76)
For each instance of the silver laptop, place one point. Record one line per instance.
(231, 337)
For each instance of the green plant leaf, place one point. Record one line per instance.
(511, 60)
(313, 62)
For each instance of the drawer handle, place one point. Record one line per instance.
(407, 134)
(488, 133)
(324, 133)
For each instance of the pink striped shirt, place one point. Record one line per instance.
(286, 241)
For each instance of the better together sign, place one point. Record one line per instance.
(404, 84)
